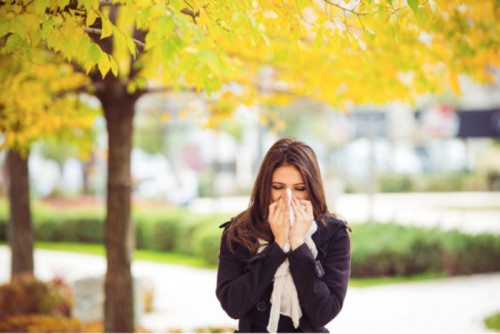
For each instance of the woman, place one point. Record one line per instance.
(284, 262)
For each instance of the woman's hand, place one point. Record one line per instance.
(279, 220)
(304, 217)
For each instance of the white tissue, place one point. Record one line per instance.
(292, 215)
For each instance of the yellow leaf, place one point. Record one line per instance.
(104, 64)
(114, 65)
(92, 15)
(107, 26)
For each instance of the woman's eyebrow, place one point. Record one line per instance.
(295, 184)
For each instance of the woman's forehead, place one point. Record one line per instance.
(287, 174)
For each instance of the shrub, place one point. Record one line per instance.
(435, 181)
(390, 249)
(377, 249)
(206, 243)
(27, 295)
(40, 323)
(158, 228)
(390, 183)
(493, 322)
(37, 323)
(75, 224)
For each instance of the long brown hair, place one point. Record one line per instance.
(251, 225)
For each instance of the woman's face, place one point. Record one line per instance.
(288, 177)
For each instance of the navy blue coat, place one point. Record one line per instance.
(244, 287)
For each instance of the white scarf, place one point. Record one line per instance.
(284, 298)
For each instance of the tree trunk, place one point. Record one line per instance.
(85, 176)
(20, 230)
(118, 108)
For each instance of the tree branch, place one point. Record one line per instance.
(166, 89)
(191, 13)
(97, 31)
(104, 3)
(77, 90)
(343, 8)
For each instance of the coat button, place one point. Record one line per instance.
(261, 306)
(319, 269)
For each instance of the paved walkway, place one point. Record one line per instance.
(185, 298)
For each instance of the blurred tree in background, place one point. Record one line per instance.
(37, 100)
(341, 52)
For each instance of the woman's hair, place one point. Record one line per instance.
(251, 225)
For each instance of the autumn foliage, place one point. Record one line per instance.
(27, 295)
(335, 51)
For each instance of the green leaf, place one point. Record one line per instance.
(497, 4)
(179, 42)
(212, 83)
(18, 26)
(381, 12)
(95, 53)
(413, 5)
(142, 17)
(47, 28)
(40, 6)
(389, 2)
(185, 28)
(27, 50)
(4, 27)
(168, 49)
(301, 4)
(421, 17)
(208, 58)
(84, 45)
(14, 42)
(166, 24)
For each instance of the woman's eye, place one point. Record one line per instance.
(300, 189)
(277, 187)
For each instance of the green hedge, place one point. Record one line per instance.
(395, 250)
(377, 249)
(160, 228)
(437, 181)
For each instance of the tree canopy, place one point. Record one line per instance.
(332, 50)
(38, 100)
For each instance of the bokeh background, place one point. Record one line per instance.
(408, 146)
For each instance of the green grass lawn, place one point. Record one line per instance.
(191, 261)
(140, 254)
